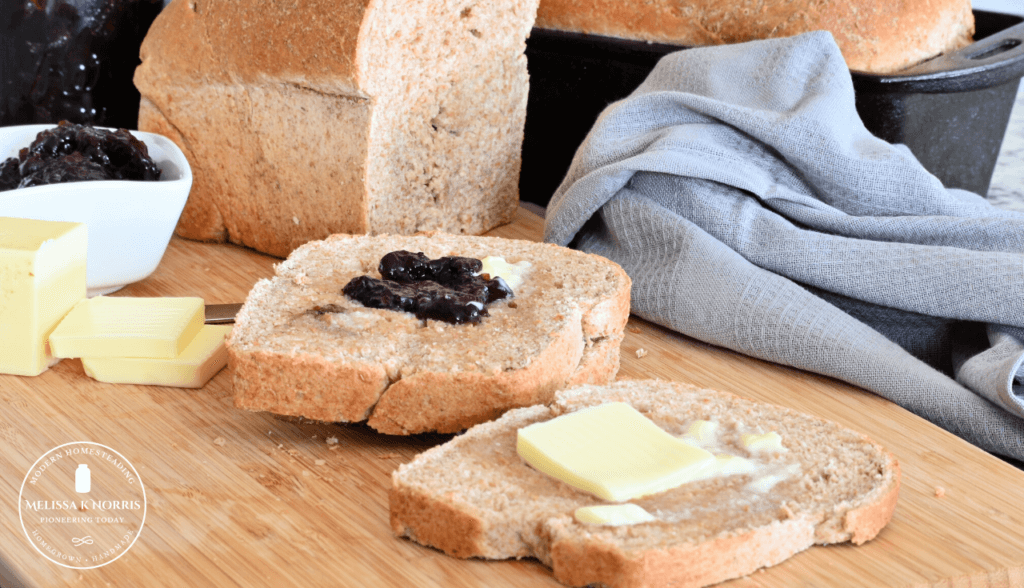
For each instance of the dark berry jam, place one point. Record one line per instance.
(77, 153)
(71, 60)
(444, 289)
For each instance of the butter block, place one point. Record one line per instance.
(108, 326)
(613, 452)
(613, 514)
(42, 276)
(193, 368)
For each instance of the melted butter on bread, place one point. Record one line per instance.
(613, 452)
(769, 442)
(613, 514)
(513, 273)
(617, 454)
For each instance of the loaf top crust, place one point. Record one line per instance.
(200, 42)
(475, 497)
(876, 36)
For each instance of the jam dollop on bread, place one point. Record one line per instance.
(449, 289)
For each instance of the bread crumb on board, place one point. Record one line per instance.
(220, 441)
(641, 353)
(940, 492)
(332, 440)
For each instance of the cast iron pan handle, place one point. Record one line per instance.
(994, 60)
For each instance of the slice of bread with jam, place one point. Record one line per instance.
(818, 483)
(301, 347)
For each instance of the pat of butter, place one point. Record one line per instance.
(703, 432)
(731, 465)
(613, 452)
(42, 276)
(613, 514)
(765, 483)
(766, 443)
(204, 356)
(107, 326)
(512, 273)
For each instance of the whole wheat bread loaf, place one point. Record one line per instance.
(475, 497)
(408, 375)
(305, 119)
(878, 36)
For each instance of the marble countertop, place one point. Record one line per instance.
(1007, 187)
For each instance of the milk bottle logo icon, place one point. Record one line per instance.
(83, 479)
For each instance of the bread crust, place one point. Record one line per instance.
(452, 528)
(578, 562)
(563, 329)
(877, 36)
(864, 523)
(599, 363)
(478, 521)
(306, 385)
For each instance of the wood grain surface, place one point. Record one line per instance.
(250, 499)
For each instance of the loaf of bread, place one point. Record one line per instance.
(877, 36)
(349, 363)
(475, 497)
(304, 119)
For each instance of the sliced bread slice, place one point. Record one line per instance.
(408, 375)
(475, 497)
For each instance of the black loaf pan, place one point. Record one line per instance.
(951, 111)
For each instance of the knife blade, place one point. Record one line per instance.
(221, 314)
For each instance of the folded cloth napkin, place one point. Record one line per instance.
(739, 189)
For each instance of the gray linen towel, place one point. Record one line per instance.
(740, 190)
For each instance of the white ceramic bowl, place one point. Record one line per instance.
(129, 222)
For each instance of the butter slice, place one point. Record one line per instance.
(763, 443)
(42, 276)
(613, 514)
(108, 326)
(193, 368)
(703, 432)
(613, 452)
(731, 465)
(512, 273)
(765, 483)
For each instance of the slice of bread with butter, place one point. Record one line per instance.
(302, 347)
(646, 483)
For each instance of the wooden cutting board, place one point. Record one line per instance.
(250, 499)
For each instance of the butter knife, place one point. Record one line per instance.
(221, 314)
